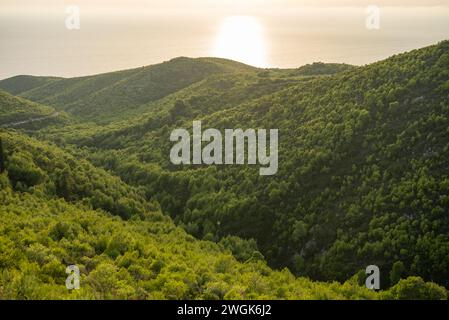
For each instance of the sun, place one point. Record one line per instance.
(241, 39)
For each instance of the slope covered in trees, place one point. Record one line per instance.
(320, 68)
(19, 84)
(363, 172)
(19, 112)
(142, 257)
(363, 175)
(50, 172)
(111, 95)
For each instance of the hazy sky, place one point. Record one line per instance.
(119, 34)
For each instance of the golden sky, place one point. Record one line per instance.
(50, 4)
(122, 34)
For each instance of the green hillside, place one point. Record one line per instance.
(144, 256)
(52, 173)
(21, 113)
(219, 92)
(117, 95)
(104, 97)
(18, 84)
(363, 175)
(320, 68)
(363, 178)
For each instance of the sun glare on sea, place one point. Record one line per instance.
(241, 39)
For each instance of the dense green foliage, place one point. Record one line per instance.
(145, 257)
(49, 172)
(104, 97)
(19, 84)
(319, 68)
(139, 259)
(17, 112)
(363, 175)
(363, 172)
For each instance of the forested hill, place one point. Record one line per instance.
(19, 112)
(108, 96)
(23, 83)
(363, 176)
(126, 248)
(117, 95)
(363, 172)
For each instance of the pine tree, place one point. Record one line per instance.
(396, 272)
